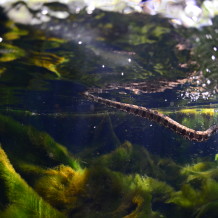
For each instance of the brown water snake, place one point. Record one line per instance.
(157, 117)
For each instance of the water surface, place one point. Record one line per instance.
(132, 58)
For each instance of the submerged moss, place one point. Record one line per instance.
(127, 182)
(62, 186)
(14, 32)
(78, 192)
(10, 52)
(98, 192)
(32, 146)
(129, 158)
(199, 190)
(17, 199)
(47, 60)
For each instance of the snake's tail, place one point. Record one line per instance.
(157, 117)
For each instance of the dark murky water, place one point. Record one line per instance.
(137, 59)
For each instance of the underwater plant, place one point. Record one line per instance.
(25, 143)
(97, 191)
(127, 182)
(17, 199)
(199, 190)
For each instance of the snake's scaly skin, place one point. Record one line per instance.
(157, 117)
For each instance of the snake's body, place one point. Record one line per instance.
(157, 117)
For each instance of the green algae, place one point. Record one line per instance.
(196, 117)
(13, 32)
(71, 189)
(127, 182)
(47, 60)
(145, 34)
(10, 52)
(17, 198)
(198, 192)
(128, 158)
(63, 57)
(101, 191)
(97, 191)
(26, 143)
(61, 187)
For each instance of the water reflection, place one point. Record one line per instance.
(84, 158)
(123, 62)
(189, 13)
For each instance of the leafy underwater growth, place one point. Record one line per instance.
(127, 182)
(17, 199)
(129, 158)
(200, 189)
(98, 192)
(28, 144)
(76, 192)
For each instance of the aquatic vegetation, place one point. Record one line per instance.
(132, 159)
(128, 158)
(14, 32)
(62, 50)
(145, 34)
(127, 182)
(197, 193)
(26, 142)
(199, 190)
(110, 193)
(98, 191)
(10, 52)
(189, 111)
(62, 187)
(17, 199)
(198, 118)
(47, 60)
(198, 167)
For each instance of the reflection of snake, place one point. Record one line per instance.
(159, 118)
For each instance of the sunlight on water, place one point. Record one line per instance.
(185, 12)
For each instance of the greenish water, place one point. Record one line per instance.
(62, 155)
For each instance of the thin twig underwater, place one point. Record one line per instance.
(157, 117)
